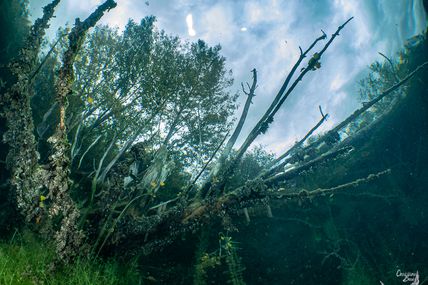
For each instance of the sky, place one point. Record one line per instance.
(266, 35)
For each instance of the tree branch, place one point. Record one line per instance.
(294, 147)
(198, 214)
(263, 124)
(22, 157)
(285, 194)
(231, 142)
(359, 111)
(69, 237)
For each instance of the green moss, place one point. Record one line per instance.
(27, 260)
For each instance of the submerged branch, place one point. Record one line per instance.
(250, 95)
(285, 194)
(196, 215)
(358, 112)
(22, 158)
(69, 237)
(228, 148)
(262, 126)
(305, 166)
(294, 147)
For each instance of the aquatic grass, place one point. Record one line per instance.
(27, 260)
(23, 262)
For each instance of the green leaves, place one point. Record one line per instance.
(144, 82)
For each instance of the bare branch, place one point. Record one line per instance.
(297, 170)
(364, 108)
(392, 66)
(243, 88)
(205, 166)
(322, 114)
(231, 142)
(294, 147)
(237, 131)
(263, 124)
(285, 194)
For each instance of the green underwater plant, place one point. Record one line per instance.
(225, 256)
(26, 259)
(233, 261)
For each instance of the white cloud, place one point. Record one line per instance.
(361, 25)
(217, 24)
(338, 98)
(85, 6)
(119, 16)
(267, 11)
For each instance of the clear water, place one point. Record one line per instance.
(137, 191)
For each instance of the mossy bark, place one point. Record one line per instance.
(22, 157)
(68, 238)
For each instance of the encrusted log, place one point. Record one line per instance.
(22, 157)
(164, 229)
(76, 39)
(69, 237)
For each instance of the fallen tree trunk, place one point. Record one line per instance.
(22, 158)
(181, 216)
(69, 237)
(27, 176)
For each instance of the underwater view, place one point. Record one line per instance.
(214, 142)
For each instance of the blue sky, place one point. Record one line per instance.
(266, 34)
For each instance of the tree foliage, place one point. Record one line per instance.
(145, 107)
(149, 86)
(252, 164)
